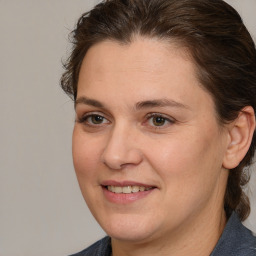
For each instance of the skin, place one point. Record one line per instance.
(182, 155)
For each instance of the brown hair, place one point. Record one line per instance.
(215, 36)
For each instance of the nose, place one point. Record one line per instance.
(121, 149)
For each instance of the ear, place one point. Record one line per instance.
(240, 137)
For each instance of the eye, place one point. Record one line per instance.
(96, 119)
(93, 119)
(158, 120)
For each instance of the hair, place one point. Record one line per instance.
(217, 40)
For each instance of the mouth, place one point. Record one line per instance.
(127, 189)
(126, 192)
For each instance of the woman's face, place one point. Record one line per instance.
(147, 148)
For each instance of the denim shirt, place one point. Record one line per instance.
(236, 240)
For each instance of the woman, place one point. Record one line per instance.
(165, 99)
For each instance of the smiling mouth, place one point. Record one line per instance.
(127, 189)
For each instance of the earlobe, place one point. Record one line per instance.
(240, 136)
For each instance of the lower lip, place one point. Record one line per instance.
(123, 198)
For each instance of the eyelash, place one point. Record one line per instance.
(84, 119)
(150, 116)
(163, 117)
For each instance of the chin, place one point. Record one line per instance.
(130, 228)
(133, 236)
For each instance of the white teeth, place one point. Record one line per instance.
(127, 189)
(117, 189)
(135, 189)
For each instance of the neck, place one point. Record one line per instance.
(190, 239)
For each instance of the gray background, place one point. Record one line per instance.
(41, 209)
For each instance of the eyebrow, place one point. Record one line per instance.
(90, 102)
(138, 106)
(160, 103)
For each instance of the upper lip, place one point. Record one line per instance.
(124, 183)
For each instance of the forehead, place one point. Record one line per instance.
(151, 57)
(141, 70)
(144, 54)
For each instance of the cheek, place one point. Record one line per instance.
(174, 153)
(86, 163)
(85, 154)
(188, 161)
(189, 176)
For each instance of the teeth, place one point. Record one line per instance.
(127, 189)
(135, 189)
(142, 188)
(117, 189)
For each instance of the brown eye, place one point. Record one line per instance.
(93, 120)
(158, 121)
(96, 119)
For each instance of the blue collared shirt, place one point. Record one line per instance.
(236, 240)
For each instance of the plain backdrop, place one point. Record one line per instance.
(41, 209)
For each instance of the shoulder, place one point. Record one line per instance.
(100, 248)
(236, 240)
